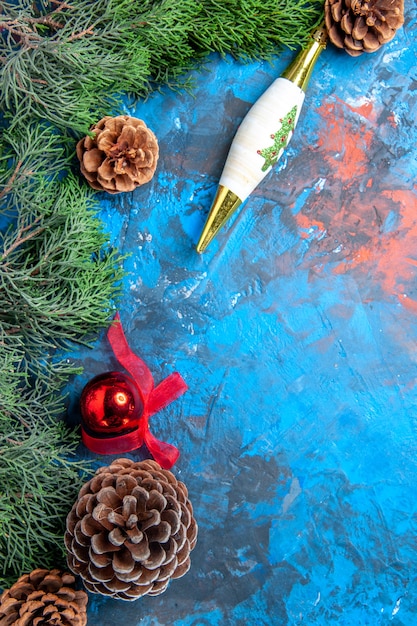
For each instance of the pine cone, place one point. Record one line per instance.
(43, 597)
(122, 154)
(131, 530)
(362, 25)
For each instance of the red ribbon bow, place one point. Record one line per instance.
(154, 398)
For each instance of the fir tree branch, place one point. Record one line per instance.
(38, 472)
(21, 236)
(9, 185)
(36, 478)
(63, 66)
(58, 283)
(135, 46)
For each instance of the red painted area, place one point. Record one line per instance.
(408, 303)
(398, 265)
(309, 228)
(367, 226)
(390, 258)
(346, 144)
(366, 110)
(391, 119)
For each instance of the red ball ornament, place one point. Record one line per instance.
(116, 408)
(111, 408)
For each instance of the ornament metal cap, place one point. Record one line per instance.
(224, 205)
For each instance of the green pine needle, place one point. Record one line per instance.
(36, 478)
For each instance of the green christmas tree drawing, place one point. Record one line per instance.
(281, 138)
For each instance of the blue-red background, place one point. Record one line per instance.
(296, 333)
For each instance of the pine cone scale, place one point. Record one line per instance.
(149, 519)
(102, 574)
(117, 537)
(156, 557)
(140, 551)
(160, 533)
(360, 28)
(89, 525)
(172, 519)
(99, 560)
(80, 536)
(123, 562)
(347, 23)
(81, 552)
(132, 576)
(92, 160)
(182, 569)
(168, 570)
(101, 544)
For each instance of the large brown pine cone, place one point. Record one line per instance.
(131, 530)
(121, 154)
(43, 597)
(362, 25)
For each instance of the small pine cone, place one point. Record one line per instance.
(44, 597)
(121, 154)
(131, 530)
(362, 25)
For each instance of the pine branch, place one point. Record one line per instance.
(56, 277)
(37, 480)
(63, 66)
(249, 29)
(58, 284)
(57, 274)
(47, 72)
(30, 155)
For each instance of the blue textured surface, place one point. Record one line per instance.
(296, 333)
